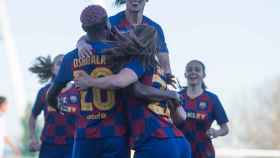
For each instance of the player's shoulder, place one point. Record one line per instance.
(151, 22)
(98, 47)
(71, 54)
(117, 18)
(44, 89)
(211, 95)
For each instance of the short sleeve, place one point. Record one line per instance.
(161, 40)
(39, 103)
(219, 112)
(65, 73)
(136, 66)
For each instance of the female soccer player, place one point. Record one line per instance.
(102, 131)
(58, 133)
(202, 108)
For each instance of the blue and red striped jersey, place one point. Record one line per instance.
(150, 119)
(58, 129)
(102, 111)
(120, 21)
(201, 111)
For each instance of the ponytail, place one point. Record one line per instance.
(43, 68)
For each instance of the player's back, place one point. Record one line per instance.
(148, 119)
(101, 110)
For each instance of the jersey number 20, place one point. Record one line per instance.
(105, 104)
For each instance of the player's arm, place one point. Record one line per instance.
(53, 93)
(34, 142)
(178, 113)
(164, 62)
(148, 92)
(222, 131)
(36, 110)
(65, 74)
(124, 78)
(164, 59)
(221, 118)
(128, 75)
(32, 125)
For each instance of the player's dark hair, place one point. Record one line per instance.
(43, 67)
(203, 69)
(96, 28)
(2, 100)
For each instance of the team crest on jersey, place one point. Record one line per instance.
(202, 105)
(73, 99)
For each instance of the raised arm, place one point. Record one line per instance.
(165, 62)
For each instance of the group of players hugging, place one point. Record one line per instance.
(112, 95)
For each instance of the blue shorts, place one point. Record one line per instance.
(167, 148)
(55, 151)
(113, 147)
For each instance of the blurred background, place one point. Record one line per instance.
(237, 40)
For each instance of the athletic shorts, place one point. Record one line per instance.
(164, 148)
(55, 151)
(112, 147)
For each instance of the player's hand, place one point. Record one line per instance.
(82, 80)
(84, 49)
(174, 100)
(212, 133)
(175, 96)
(34, 145)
